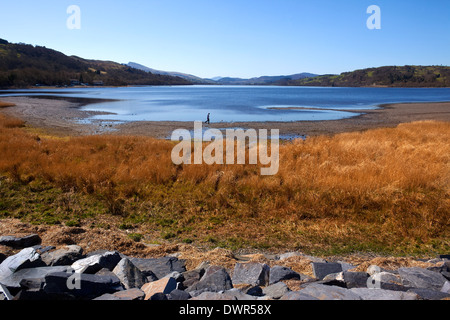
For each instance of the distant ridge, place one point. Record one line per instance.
(24, 65)
(189, 77)
(389, 76)
(264, 80)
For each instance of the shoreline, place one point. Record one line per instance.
(62, 116)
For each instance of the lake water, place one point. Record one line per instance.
(237, 103)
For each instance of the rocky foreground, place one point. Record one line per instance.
(39, 272)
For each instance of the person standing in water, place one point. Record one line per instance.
(207, 119)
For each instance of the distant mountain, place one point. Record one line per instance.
(24, 65)
(189, 77)
(390, 76)
(265, 80)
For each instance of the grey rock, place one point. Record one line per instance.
(105, 272)
(438, 269)
(446, 274)
(381, 294)
(288, 255)
(355, 279)
(179, 295)
(125, 295)
(255, 274)
(176, 275)
(103, 252)
(435, 260)
(446, 287)
(27, 258)
(130, 294)
(32, 277)
(107, 297)
(346, 266)
(447, 264)
(158, 297)
(239, 295)
(40, 295)
(21, 242)
(387, 281)
(264, 298)
(130, 276)
(196, 293)
(43, 249)
(96, 262)
(63, 257)
(4, 292)
(321, 270)
(210, 296)
(85, 286)
(215, 279)
(279, 273)
(160, 267)
(428, 294)
(254, 291)
(276, 291)
(421, 278)
(324, 292)
(297, 295)
(193, 276)
(333, 277)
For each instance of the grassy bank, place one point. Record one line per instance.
(384, 190)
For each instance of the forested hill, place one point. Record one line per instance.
(391, 76)
(23, 65)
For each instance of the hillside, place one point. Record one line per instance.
(23, 65)
(189, 77)
(264, 80)
(390, 76)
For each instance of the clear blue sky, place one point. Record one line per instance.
(239, 38)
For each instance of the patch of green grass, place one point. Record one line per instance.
(137, 237)
(125, 226)
(73, 223)
(42, 203)
(164, 222)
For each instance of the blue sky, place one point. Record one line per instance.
(239, 38)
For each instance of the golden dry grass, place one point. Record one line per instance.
(6, 104)
(380, 190)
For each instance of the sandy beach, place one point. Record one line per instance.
(64, 117)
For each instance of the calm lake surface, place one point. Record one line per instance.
(237, 103)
